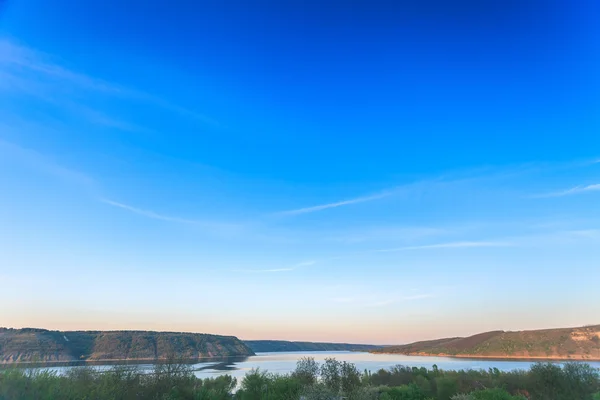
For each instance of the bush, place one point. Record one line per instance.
(406, 392)
(446, 388)
(283, 388)
(318, 392)
(462, 396)
(365, 393)
(573, 381)
(254, 385)
(493, 394)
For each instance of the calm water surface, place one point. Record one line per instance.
(282, 363)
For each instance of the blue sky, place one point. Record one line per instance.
(378, 173)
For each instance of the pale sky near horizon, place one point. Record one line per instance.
(381, 173)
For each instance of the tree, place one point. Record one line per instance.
(381, 377)
(400, 375)
(551, 382)
(581, 380)
(284, 387)
(254, 385)
(349, 378)
(423, 383)
(331, 374)
(221, 384)
(446, 388)
(307, 371)
(365, 393)
(407, 392)
(318, 392)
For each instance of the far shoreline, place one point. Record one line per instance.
(123, 361)
(499, 358)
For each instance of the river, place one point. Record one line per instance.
(282, 363)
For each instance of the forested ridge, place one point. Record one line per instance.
(581, 343)
(260, 346)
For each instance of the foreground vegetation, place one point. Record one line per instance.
(310, 381)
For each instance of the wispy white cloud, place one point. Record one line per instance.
(382, 234)
(99, 118)
(220, 228)
(462, 177)
(343, 299)
(15, 55)
(382, 303)
(260, 271)
(574, 190)
(305, 264)
(322, 207)
(586, 233)
(21, 65)
(149, 214)
(419, 296)
(285, 269)
(466, 177)
(450, 245)
(394, 300)
(42, 163)
(45, 165)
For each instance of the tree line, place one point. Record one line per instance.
(331, 380)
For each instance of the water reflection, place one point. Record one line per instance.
(107, 363)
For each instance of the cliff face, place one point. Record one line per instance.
(261, 346)
(40, 345)
(565, 343)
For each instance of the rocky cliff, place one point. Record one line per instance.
(40, 345)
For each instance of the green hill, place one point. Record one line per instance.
(40, 345)
(566, 343)
(264, 346)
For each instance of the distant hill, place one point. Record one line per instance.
(565, 343)
(40, 345)
(264, 346)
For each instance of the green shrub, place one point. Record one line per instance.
(573, 381)
(493, 394)
(462, 396)
(255, 385)
(446, 387)
(318, 392)
(407, 392)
